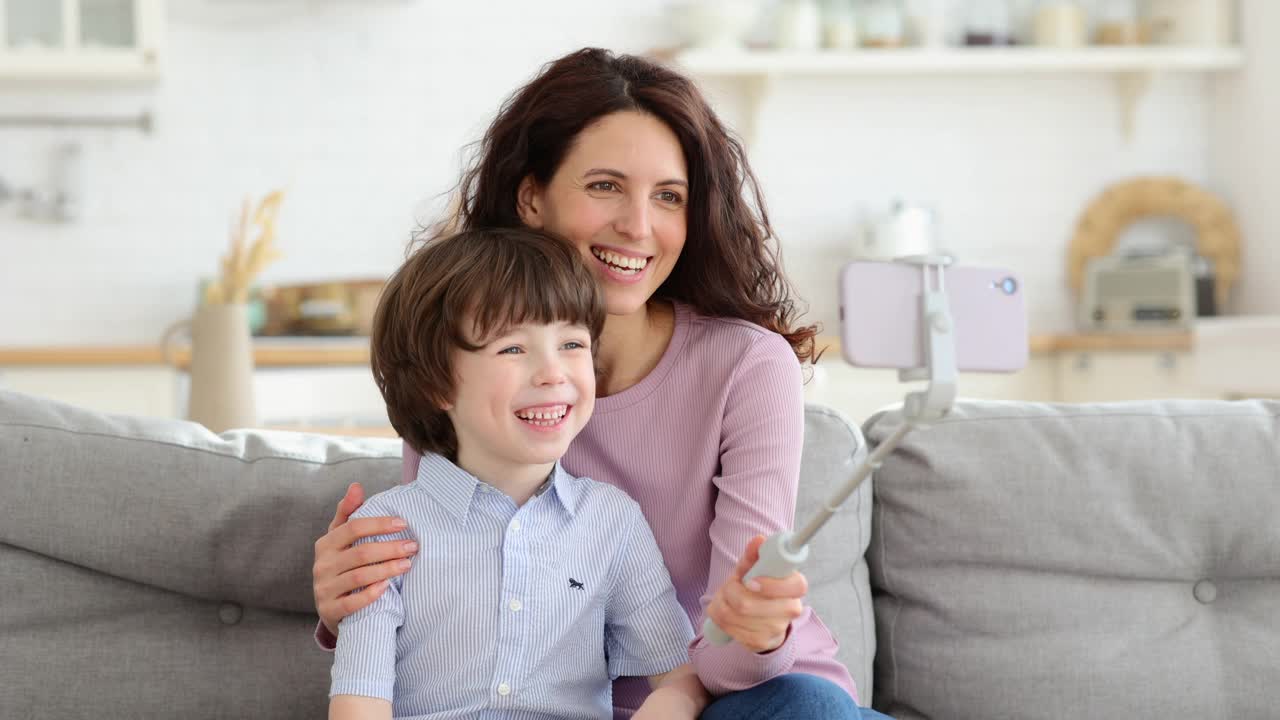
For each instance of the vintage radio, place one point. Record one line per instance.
(1124, 294)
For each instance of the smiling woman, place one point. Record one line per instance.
(699, 406)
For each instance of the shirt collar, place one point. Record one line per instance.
(567, 487)
(456, 488)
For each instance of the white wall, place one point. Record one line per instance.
(360, 109)
(1245, 156)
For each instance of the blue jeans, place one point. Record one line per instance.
(797, 696)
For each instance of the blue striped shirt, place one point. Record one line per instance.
(512, 613)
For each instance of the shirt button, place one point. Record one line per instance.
(515, 605)
(504, 689)
(515, 525)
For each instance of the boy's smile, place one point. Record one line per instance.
(519, 401)
(545, 418)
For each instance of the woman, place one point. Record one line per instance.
(699, 415)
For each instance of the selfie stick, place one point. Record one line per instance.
(785, 552)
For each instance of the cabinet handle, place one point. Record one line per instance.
(1083, 362)
(1168, 361)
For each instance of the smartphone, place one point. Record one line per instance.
(880, 324)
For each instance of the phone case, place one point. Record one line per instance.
(880, 316)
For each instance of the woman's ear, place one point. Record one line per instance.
(529, 203)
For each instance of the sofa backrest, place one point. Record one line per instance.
(1101, 561)
(153, 568)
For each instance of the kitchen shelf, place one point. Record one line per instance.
(1131, 67)
(748, 63)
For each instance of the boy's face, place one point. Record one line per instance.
(527, 371)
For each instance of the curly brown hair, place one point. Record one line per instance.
(730, 265)
(490, 278)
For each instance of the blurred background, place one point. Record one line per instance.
(1119, 156)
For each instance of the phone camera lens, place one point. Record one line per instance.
(1009, 286)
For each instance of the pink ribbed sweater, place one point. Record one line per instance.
(709, 445)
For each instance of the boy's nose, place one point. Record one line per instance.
(550, 373)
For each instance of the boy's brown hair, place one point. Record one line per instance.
(490, 279)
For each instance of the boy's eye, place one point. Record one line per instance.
(575, 345)
(510, 350)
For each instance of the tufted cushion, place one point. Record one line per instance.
(1101, 561)
(153, 569)
(839, 590)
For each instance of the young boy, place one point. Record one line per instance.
(533, 589)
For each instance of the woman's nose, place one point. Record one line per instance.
(634, 223)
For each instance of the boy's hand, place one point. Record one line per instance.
(677, 695)
(760, 617)
(355, 707)
(340, 568)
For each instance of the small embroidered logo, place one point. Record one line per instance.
(575, 585)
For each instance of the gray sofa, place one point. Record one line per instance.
(1023, 561)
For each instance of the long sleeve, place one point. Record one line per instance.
(760, 450)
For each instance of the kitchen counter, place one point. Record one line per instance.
(340, 351)
(1077, 342)
(268, 352)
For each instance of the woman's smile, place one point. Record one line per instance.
(620, 266)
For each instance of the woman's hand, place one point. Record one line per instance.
(340, 568)
(757, 614)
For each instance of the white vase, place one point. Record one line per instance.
(221, 370)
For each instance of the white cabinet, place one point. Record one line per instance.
(1115, 376)
(81, 39)
(859, 392)
(1061, 376)
(147, 390)
(331, 397)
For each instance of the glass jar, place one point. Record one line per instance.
(1120, 23)
(1059, 23)
(988, 22)
(839, 25)
(883, 23)
(799, 25)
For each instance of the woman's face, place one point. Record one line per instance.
(621, 196)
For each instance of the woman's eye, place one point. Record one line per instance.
(669, 196)
(605, 185)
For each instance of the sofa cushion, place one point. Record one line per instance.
(1049, 561)
(153, 569)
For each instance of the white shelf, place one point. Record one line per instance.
(742, 63)
(1131, 67)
